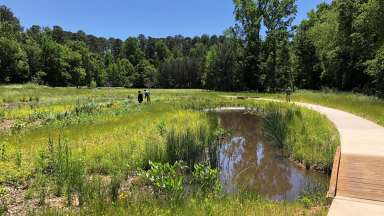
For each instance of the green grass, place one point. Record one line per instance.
(308, 137)
(368, 107)
(108, 134)
(234, 205)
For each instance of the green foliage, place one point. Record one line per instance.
(188, 145)
(166, 178)
(339, 46)
(105, 153)
(132, 51)
(13, 61)
(18, 158)
(205, 178)
(92, 84)
(145, 75)
(57, 164)
(313, 196)
(276, 125)
(121, 73)
(302, 139)
(223, 66)
(376, 70)
(3, 151)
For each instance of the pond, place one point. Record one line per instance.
(248, 161)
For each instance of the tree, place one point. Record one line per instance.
(162, 51)
(277, 19)
(13, 62)
(306, 60)
(375, 68)
(145, 75)
(121, 73)
(249, 14)
(58, 34)
(34, 53)
(132, 51)
(223, 66)
(78, 75)
(9, 25)
(97, 69)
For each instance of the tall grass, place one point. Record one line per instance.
(108, 136)
(188, 145)
(307, 136)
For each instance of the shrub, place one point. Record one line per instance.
(92, 84)
(205, 177)
(88, 108)
(166, 178)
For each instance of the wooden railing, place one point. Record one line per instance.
(334, 176)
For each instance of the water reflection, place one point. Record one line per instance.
(249, 161)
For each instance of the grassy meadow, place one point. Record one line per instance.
(96, 151)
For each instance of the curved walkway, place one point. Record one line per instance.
(358, 136)
(360, 179)
(361, 172)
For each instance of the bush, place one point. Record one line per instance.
(92, 84)
(88, 108)
(205, 177)
(166, 178)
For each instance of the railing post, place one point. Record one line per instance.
(334, 176)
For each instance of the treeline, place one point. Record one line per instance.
(342, 46)
(56, 57)
(338, 46)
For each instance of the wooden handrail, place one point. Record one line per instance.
(334, 176)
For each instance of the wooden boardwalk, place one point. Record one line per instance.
(357, 181)
(357, 185)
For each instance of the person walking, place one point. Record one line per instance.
(288, 94)
(147, 96)
(140, 97)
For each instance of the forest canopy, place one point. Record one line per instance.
(339, 46)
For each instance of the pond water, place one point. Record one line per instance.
(249, 161)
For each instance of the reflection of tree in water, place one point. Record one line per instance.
(240, 163)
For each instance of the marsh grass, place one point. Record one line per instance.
(108, 135)
(307, 136)
(188, 145)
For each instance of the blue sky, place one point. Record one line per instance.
(123, 18)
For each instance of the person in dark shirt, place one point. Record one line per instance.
(140, 97)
